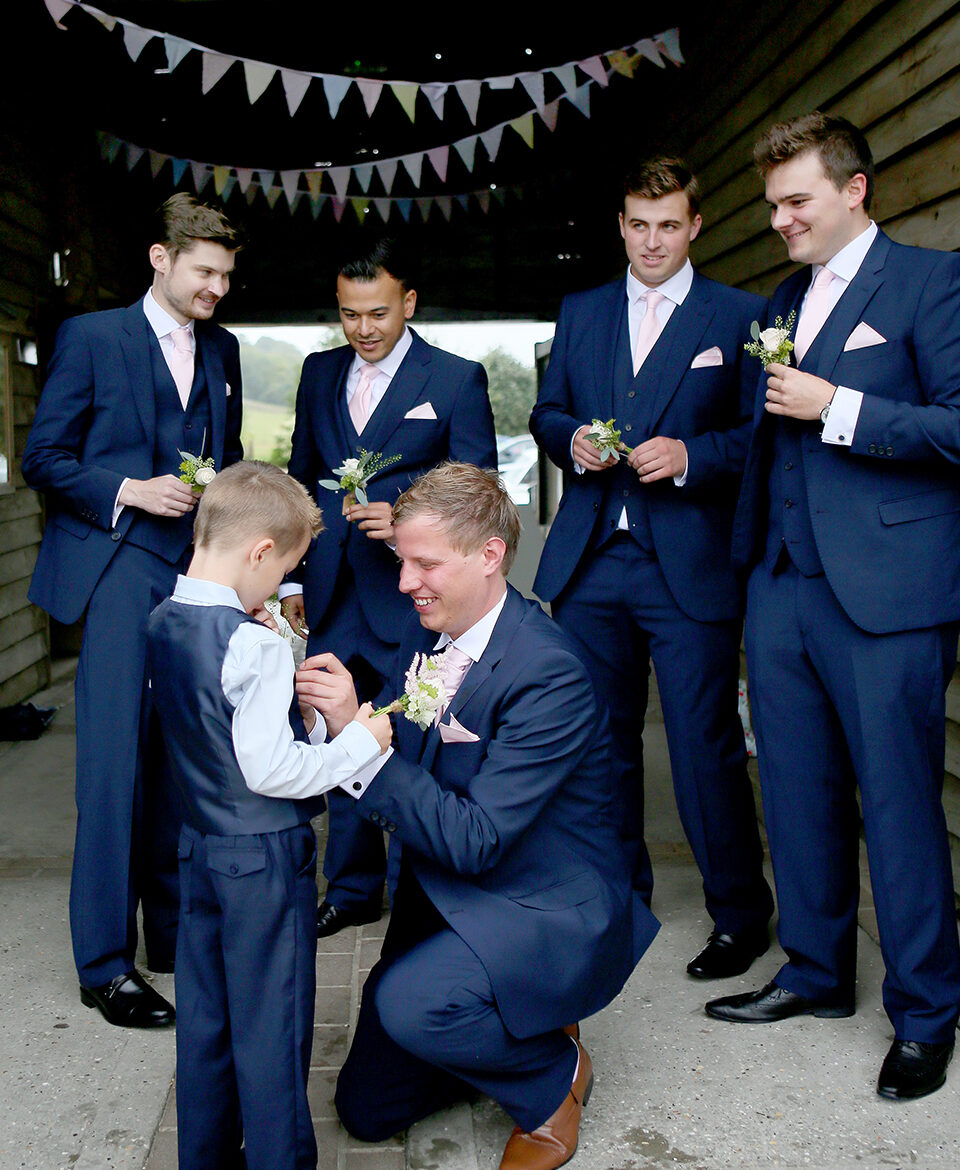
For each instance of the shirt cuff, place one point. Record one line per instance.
(357, 785)
(842, 418)
(293, 590)
(680, 480)
(117, 506)
(578, 469)
(319, 733)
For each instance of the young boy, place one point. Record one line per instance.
(223, 686)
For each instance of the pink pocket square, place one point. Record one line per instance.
(710, 357)
(455, 732)
(863, 336)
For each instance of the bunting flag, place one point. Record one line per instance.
(622, 59)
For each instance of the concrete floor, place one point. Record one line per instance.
(673, 1088)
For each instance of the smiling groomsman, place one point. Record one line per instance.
(127, 390)
(637, 563)
(850, 520)
(385, 391)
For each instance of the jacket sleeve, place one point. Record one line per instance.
(552, 422)
(472, 435)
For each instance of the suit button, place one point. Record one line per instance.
(788, 503)
(234, 868)
(788, 466)
(188, 426)
(628, 427)
(889, 451)
(632, 394)
(626, 495)
(872, 449)
(596, 507)
(116, 535)
(391, 828)
(375, 817)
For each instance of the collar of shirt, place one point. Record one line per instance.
(474, 641)
(387, 367)
(846, 264)
(162, 323)
(675, 288)
(196, 591)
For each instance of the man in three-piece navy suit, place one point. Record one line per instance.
(850, 520)
(513, 916)
(386, 391)
(637, 563)
(127, 391)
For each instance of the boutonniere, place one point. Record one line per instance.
(355, 474)
(423, 694)
(772, 344)
(606, 438)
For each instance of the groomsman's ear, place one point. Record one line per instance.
(159, 258)
(493, 553)
(856, 190)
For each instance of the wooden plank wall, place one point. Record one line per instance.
(894, 70)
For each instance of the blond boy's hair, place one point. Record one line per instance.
(252, 499)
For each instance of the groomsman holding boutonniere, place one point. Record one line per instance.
(849, 520)
(637, 563)
(391, 394)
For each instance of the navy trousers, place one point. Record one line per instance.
(246, 983)
(127, 810)
(429, 1031)
(620, 611)
(833, 708)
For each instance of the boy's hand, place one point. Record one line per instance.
(326, 684)
(379, 726)
(265, 617)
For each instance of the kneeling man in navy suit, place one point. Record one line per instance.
(850, 521)
(514, 916)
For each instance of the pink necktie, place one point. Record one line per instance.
(360, 402)
(454, 666)
(181, 362)
(649, 330)
(816, 310)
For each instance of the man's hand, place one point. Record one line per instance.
(164, 495)
(659, 458)
(291, 609)
(794, 394)
(379, 727)
(376, 519)
(587, 455)
(325, 683)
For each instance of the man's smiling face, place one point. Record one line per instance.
(814, 218)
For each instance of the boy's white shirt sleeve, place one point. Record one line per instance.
(257, 680)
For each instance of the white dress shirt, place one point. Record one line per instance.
(387, 366)
(258, 681)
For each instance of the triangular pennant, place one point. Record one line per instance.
(370, 92)
(483, 198)
(406, 95)
(533, 84)
(669, 42)
(439, 157)
(567, 76)
(135, 38)
(491, 141)
(436, 92)
(500, 194)
(314, 181)
(388, 172)
(445, 203)
(228, 188)
(364, 174)
(293, 204)
(383, 208)
(549, 114)
(110, 146)
(469, 92)
(156, 161)
(581, 99)
(258, 78)
(295, 85)
(359, 205)
(179, 166)
(220, 176)
(290, 180)
(214, 67)
(646, 48)
(413, 165)
(593, 67)
(335, 88)
(272, 194)
(423, 205)
(176, 50)
(404, 205)
(58, 8)
(315, 205)
(134, 155)
(341, 178)
(338, 206)
(467, 149)
(620, 62)
(502, 82)
(201, 176)
(267, 179)
(108, 22)
(464, 201)
(251, 192)
(244, 178)
(524, 127)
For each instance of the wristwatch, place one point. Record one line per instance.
(823, 414)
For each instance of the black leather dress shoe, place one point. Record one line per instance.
(331, 919)
(726, 955)
(772, 1003)
(129, 1002)
(913, 1069)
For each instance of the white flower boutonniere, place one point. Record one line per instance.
(424, 693)
(198, 473)
(772, 344)
(606, 438)
(355, 474)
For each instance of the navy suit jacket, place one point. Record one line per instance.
(96, 425)
(512, 836)
(709, 408)
(456, 390)
(885, 511)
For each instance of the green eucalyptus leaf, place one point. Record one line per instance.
(361, 496)
(755, 331)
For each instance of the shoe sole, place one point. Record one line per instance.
(821, 1013)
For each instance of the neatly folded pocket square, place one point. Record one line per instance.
(456, 733)
(424, 410)
(863, 336)
(710, 357)
(229, 391)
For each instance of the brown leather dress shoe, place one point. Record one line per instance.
(555, 1142)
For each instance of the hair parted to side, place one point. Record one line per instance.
(471, 503)
(660, 175)
(366, 257)
(842, 148)
(183, 220)
(253, 499)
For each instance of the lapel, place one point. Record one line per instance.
(135, 346)
(333, 438)
(208, 352)
(823, 355)
(402, 393)
(676, 348)
(611, 314)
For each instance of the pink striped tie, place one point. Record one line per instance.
(816, 310)
(181, 362)
(360, 402)
(650, 328)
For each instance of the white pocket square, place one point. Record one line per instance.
(863, 336)
(424, 410)
(229, 390)
(456, 733)
(710, 357)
